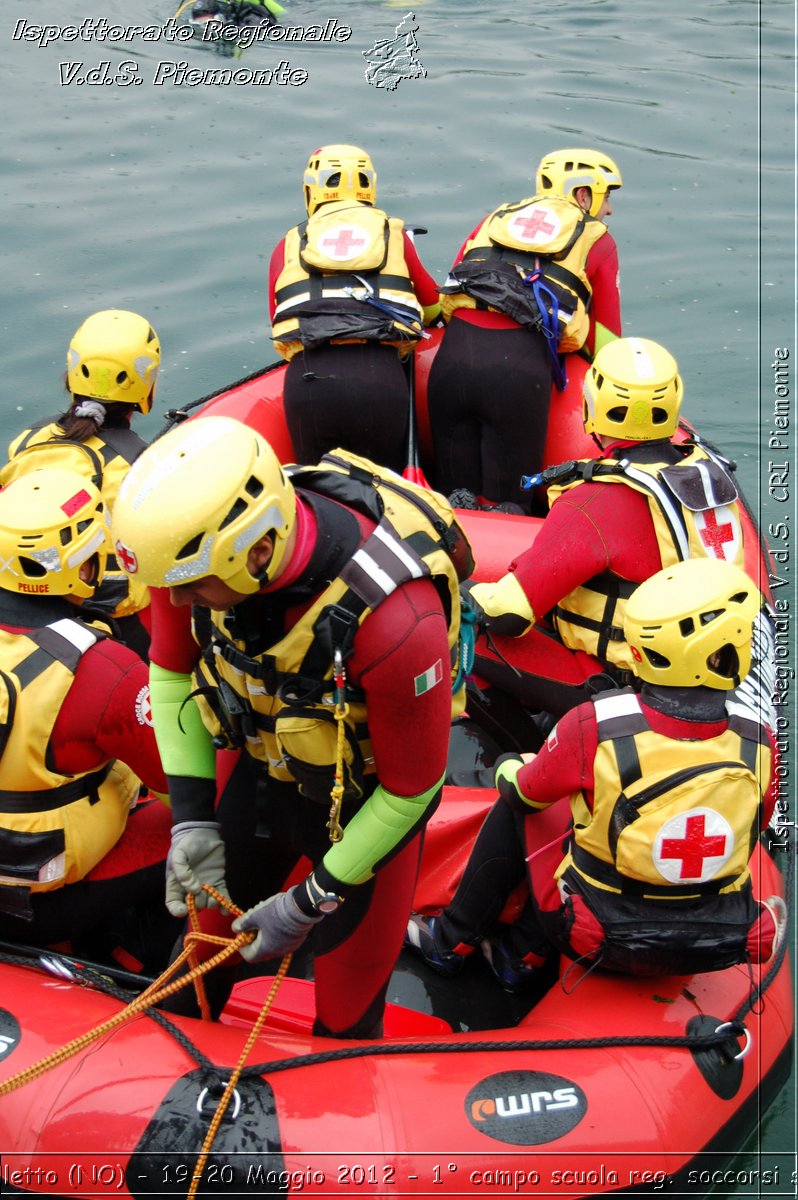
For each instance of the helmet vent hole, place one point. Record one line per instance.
(66, 535)
(121, 377)
(240, 506)
(33, 569)
(687, 626)
(656, 659)
(711, 615)
(84, 370)
(190, 549)
(725, 662)
(253, 487)
(659, 416)
(617, 415)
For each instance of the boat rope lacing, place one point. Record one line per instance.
(175, 415)
(723, 1038)
(165, 985)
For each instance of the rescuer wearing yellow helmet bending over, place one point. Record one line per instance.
(325, 611)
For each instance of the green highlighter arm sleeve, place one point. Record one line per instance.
(381, 824)
(184, 743)
(602, 336)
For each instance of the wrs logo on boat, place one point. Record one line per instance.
(525, 1108)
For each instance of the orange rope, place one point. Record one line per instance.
(158, 990)
(221, 1107)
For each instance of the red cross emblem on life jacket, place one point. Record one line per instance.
(716, 534)
(126, 559)
(530, 223)
(693, 846)
(345, 241)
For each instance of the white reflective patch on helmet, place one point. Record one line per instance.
(48, 559)
(142, 365)
(154, 474)
(247, 537)
(193, 568)
(91, 547)
(644, 367)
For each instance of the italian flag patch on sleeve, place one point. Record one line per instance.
(434, 674)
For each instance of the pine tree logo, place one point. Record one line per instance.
(390, 60)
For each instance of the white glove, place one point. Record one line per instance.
(196, 857)
(280, 924)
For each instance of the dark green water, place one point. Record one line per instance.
(167, 198)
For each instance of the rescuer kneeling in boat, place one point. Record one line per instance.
(646, 503)
(112, 369)
(325, 609)
(635, 823)
(349, 299)
(536, 279)
(80, 856)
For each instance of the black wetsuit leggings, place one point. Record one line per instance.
(489, 393)
(353, 396)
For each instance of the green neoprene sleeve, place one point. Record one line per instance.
(183, 741)
(379, 826)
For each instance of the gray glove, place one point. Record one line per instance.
(196, 857)
(280, 925)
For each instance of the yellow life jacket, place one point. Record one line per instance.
(695, 510)
(345, 279)
(105, 459)
(525, 258)
(280, 703)
(671, 819)
(53, 828)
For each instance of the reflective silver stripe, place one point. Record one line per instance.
(381, 578)
(77, 635)
(398, 549)
(608, 707)
(673, 513)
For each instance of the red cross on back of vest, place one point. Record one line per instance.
(716, 534)
(343, 242)
(530, 223)
(693, 846)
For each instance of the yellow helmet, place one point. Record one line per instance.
(195, 503)
(52, 521)
(632, 390)
(339, 173)
(563, 171)
(692, 624)
(114, 357)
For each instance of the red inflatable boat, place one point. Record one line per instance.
(604, 1085)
